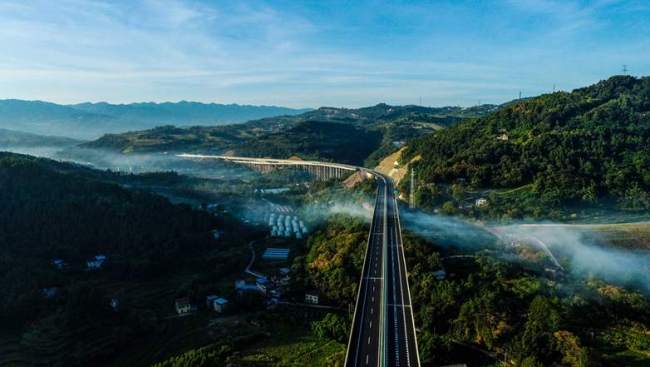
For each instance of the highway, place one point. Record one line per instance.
(383, 328)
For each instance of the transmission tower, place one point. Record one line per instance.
(412, 190)
(624, 69)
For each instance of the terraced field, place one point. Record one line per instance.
(294, 347)
(11, 352)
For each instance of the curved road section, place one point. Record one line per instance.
(383, 328)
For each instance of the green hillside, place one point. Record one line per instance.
(55, 210)
(337, 134)
(577, 147)
(155, 251)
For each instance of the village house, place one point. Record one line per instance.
(241, 286)
(96, 263)
(115, 303)
(59, 263)
(183, 306)
(481, 203)
(440, 274)
(276, 254)
(50, 292)
(216, 234)
(216, 303)
(311, 298)
(284, 276)
(262, 284)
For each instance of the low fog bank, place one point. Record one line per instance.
(586, 253)
(153, 162)
(363, 210)
(448, 231)
(38, 151)
(576, 250)
(312, 213)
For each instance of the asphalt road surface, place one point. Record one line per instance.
(383, 331)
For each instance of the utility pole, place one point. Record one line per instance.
(412, 190)
(624, 69)
(519, 94)
(553, 88)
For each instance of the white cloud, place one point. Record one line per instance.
(252, 52)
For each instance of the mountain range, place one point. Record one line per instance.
(91, 120)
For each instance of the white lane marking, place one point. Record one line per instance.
(401, 288)
(395, 323)
(368, 340)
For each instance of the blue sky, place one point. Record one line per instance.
(314, 53)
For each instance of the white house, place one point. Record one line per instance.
(183, 306)
(440, 274)
(216, 303)
(96, 263)
(59, 263)
(481, 203)
(311, 298)
(220, 305)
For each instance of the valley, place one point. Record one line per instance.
(499, 274)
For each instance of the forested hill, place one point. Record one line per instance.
(338, 134)
(58, 210)
(577, 146)
(51, 210)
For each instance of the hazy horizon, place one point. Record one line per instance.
(317, 54)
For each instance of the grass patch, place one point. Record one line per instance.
(295, 346)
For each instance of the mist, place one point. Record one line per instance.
(38, 151)
(574, 250)
(586, 253)
(448, 231)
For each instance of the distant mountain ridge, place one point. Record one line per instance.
(91, 120)
(11, 138)
(339, 134)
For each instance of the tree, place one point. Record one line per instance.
(449, 208)
(332, 326)
(573, 354)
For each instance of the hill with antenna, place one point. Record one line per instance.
(563, 148)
